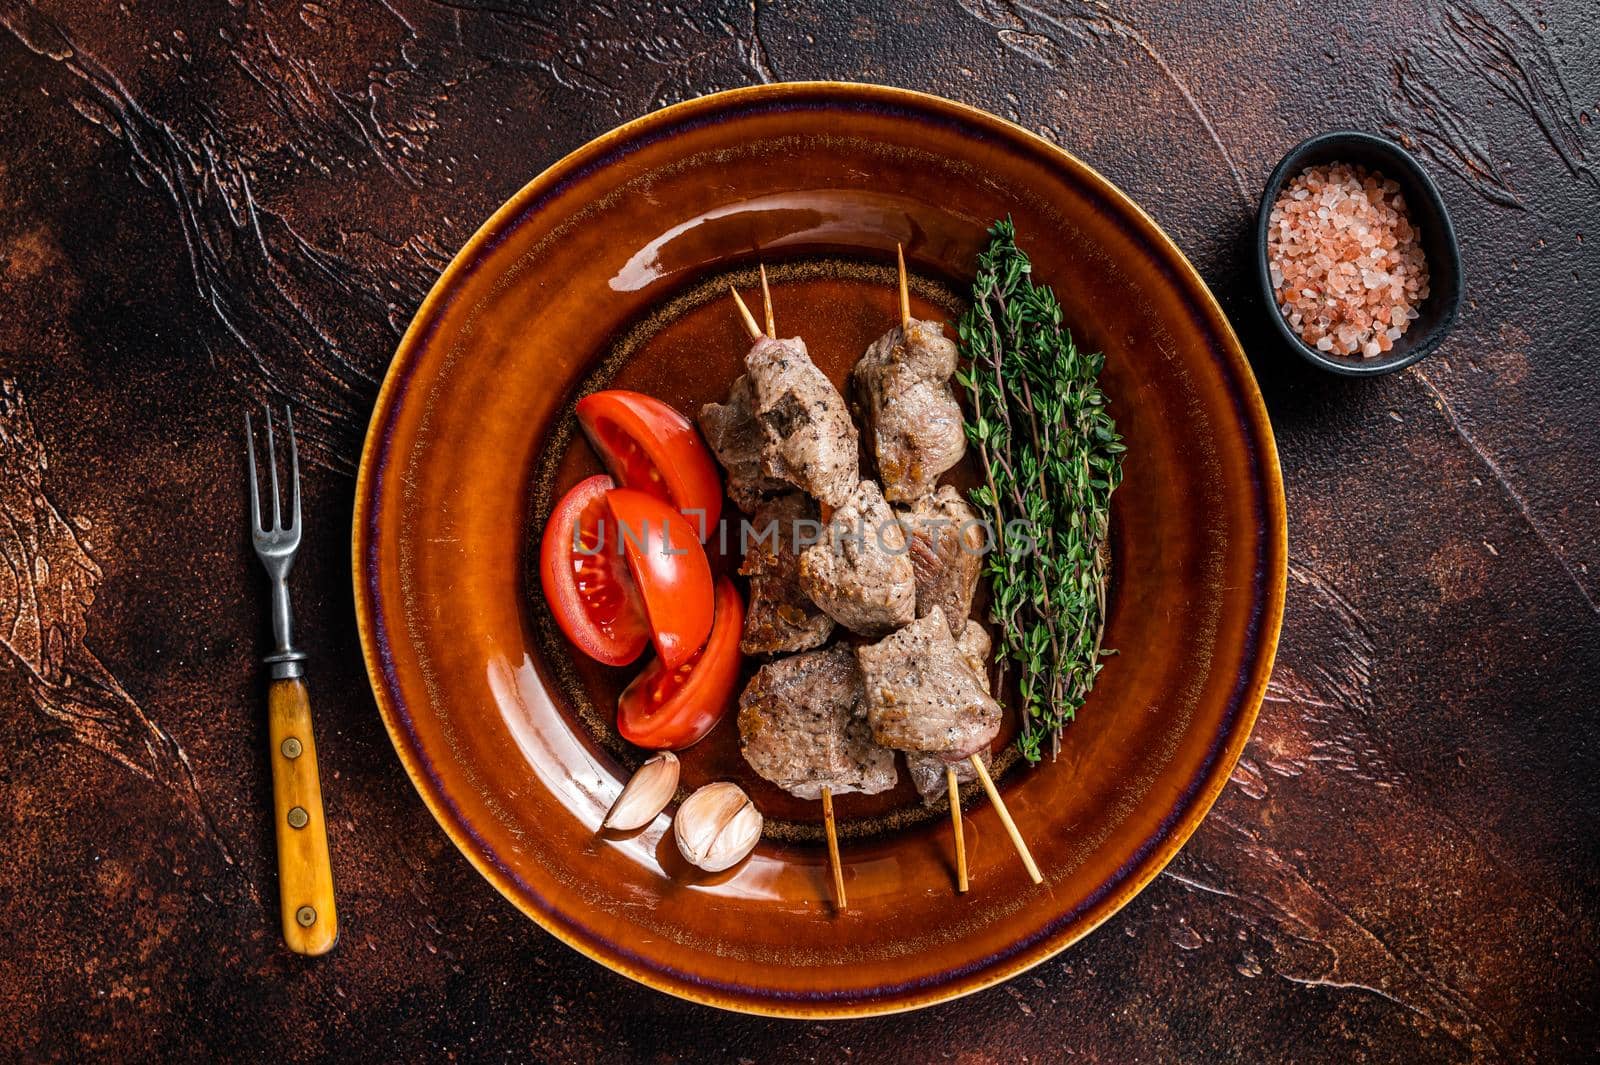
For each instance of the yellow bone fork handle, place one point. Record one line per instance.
(305, 878)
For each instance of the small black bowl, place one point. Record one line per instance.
(1438, 312)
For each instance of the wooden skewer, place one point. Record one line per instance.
(749, 319)
(1005, 819)
(905, 292)
(955, 822)
(833, 847)
(766, 302)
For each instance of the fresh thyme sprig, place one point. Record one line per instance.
(1051, 458)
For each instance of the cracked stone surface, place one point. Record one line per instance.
(204, 206)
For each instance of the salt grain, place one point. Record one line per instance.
(1346, 263)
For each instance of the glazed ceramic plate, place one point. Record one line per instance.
(612, 268)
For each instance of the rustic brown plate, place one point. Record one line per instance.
(612, 267)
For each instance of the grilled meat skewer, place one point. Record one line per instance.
(784, 423)
(922, 695)
(801, 727)
(801, 709)
(925, 698)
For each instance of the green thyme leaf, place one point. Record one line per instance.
(1051, 457)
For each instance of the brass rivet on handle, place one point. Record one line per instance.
(291, 748)
(298, 817)
(305, 916)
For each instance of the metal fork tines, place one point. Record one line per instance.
(276, 544)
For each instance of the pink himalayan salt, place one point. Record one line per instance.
(1346, 263)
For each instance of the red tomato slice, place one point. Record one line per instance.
(670, 569)
(648, 446)
(588, 588)
(672, 708)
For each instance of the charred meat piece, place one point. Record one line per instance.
(861, 573)
(922, 694)
(927, 770)
(781, 617)
(736, 439)
(912, 420)
(946, 548)
(808, 439)
(801, 726)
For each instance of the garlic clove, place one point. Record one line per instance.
(717, 827)
(645, 794)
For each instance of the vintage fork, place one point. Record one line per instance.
(305, 879)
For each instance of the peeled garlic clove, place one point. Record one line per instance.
(717, 827)
(645, 794)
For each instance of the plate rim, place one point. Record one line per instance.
(1274, 547)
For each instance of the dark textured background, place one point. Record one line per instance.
(246, 201)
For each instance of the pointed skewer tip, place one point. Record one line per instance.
(744, 312)
(766, 302)
(905, 291)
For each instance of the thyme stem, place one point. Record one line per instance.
(1051, 458)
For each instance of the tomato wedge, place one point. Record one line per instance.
(670, 569)
(648, 446)
(672, 708)
(587, 586)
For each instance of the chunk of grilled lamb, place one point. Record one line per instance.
(922, 694)
(781, 617)
(736, 438)
(946, 547)
(861, 573)
(802, 726)
(912, 421)
(808, 439)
